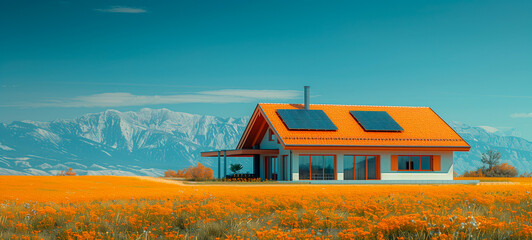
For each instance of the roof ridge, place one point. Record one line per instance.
(347, 105)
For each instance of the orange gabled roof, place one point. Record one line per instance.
(422, 128)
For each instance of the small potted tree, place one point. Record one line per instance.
(235, 168)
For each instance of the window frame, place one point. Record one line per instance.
(377, 166)
(410, 163)
(323, 164)
(272, 137)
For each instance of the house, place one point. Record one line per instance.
(347, 143)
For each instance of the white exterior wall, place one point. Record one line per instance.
(446, 168)
(295, 166)
(445, 173)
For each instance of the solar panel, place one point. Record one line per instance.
(300, 119)
(376, 121)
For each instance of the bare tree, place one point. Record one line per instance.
(491, 158)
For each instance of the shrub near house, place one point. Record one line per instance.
(170, 173)
(199, 172)
(493, 169)
(70, 172)
(501, 170)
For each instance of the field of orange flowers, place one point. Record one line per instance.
(101, 207)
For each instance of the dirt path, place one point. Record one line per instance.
(259, 184)
(161, 180)
(224, 184)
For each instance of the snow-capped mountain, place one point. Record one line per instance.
(146, 142)
(150, 141)
(514, 150)
(512, 132)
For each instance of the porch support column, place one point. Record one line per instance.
(256, 166)
(225, 163)
(291, 178)
(219, 166)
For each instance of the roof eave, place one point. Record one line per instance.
(256, 113)
(272, 127)
(377, 147)
(450, 127)
(248, 128)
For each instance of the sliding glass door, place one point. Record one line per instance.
(317, 167)
(329, 168)
(304, 167)
(349, 167)
(271, 166)
(371, 164)
(361, 167)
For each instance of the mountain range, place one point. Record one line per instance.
(150, 141)
(514, 150)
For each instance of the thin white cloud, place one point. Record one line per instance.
(521, 115)
(121, 9)
(121, 99)
(260, 94)
(508, 96)
(491, 95)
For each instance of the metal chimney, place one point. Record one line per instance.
(307, 97)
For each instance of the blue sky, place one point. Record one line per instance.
(471, 61)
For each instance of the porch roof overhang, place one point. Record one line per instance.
(241, 152)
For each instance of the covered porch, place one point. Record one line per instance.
(254, 153)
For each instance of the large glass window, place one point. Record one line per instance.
(371, 162)
(317, 167)
(415, 163)
(404, 163)
(271, 168)
(304, 167)
(349, 167)
(275, 168)
(328, 168)
(365, 167)
(425, 163)
(360, 166)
